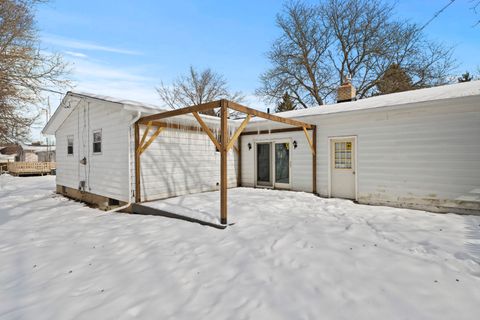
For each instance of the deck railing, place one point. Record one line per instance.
(19, 168)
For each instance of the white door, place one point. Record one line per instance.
(282, 164)
(342, 168)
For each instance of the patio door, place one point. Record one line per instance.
(264, 167)
(273, 164)
(282, 165)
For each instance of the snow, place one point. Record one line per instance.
(451, 91)
(290, 255)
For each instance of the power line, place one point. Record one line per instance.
(437, 14)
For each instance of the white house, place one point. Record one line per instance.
(95, 152)
(417, 149)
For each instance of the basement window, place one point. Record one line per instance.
(343, 155)
(97, 141)
(70, 145)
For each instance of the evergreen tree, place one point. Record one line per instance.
(395, 79)
(466, 77)
(286, 104)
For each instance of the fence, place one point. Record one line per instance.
(24, 168)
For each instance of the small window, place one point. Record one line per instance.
(97, 141)
(343, 155)
(70, 145)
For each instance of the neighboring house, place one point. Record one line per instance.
(416, 149)
(34, 152)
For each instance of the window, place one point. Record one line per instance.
(97, 141)
(343, 155)
(69, 144)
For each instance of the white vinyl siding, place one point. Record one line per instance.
(105, 174)
(421, 156)
(182, 162)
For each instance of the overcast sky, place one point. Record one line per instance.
(124, 48)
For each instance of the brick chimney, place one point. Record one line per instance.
(346, 92)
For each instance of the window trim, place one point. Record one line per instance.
(93, 141)
(68, 145)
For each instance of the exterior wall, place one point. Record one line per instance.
(106, 173)
(181, 162)
(425, 156)
(44, 156)
(300, 159)
(28, 156)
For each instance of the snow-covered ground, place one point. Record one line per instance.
(289, 256)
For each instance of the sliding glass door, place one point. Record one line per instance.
(264, 169)
(282, 164)
(273, 164)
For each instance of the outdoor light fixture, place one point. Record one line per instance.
(294, 144)
(249, 146)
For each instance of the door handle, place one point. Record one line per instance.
(353, 172)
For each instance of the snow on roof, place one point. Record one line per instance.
(132, 103)
(37, 148)
(450, 91)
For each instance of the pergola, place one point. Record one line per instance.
(226, 142)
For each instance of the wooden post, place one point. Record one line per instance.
(137, 163)
(314, 159)
(223, 161)
(239, 161)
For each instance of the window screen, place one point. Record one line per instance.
(343, 155)
(97, 141)
(70, 145)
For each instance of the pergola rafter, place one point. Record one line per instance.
(224, 145)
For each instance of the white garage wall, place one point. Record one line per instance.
(182, 162)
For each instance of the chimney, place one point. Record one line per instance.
(346, 92)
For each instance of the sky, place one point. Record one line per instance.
(126, 48)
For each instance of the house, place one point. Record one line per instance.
(35, 152)
(417, 149)
(96, 152)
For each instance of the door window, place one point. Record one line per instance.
(343, 155)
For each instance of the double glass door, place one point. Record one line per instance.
(273, 164)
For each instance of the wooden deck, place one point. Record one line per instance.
(30, 168)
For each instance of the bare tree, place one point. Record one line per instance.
(358, 38)
(24, 69)
(476, 9)
(197, 88)
(298, 57)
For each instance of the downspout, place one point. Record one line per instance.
(135, 119)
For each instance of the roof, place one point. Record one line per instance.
(451, 91)
(72, 98)
(38, 148)
(11, 149)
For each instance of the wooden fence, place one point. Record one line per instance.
(30, 168)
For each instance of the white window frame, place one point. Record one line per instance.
(68, 145)
(93, 141)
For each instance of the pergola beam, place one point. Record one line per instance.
(238, 132)
(144, 146)
(207, 130)
(179, 112)
(268, 116)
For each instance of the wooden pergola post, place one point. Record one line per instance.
(223, 160)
